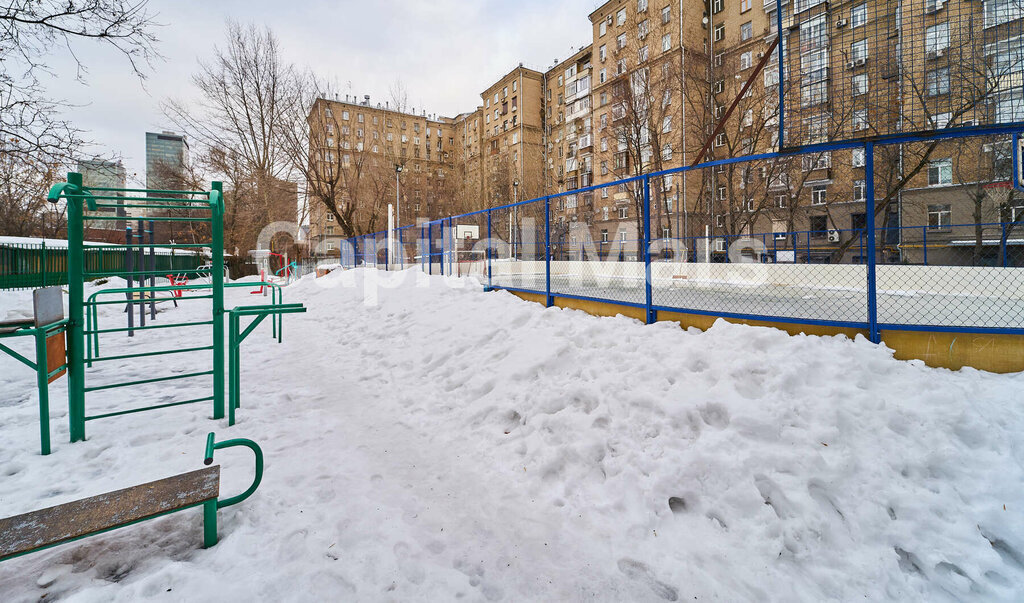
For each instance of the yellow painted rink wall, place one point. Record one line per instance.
(994, 353)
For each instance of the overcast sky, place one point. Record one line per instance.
(445, 52)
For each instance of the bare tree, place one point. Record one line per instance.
(30, 30)
(248, 94)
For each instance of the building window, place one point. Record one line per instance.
(746, 31)
(744, 6)
(643, 28)
(620, 17)
(858, 158)
(641, 6)
(604, 235)
(602, 52)
(330, 217)
(666, 42)
(666, 124)
(602, 28)
(998, 12)
(940, 217)
(666, 15)
(642, 55)
(819, 194)
(860, 84)
(621, 41)
(818, 226)
(859, 51)
(746, 61)
(719, 33)
(859, 15)
(781, 201)
(936, 39)
(940, 172)
(937, 82)
(860, 120)
(860, 188)
(666, 153)
(623, 213)
(344, 115)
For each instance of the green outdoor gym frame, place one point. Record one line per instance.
(210, 206)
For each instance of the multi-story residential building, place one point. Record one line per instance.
(360, 151)
(662, 83)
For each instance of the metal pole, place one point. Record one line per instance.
(924, 242)
(651, 315)
(141, 251)
(76, 314)
(549, 300)
(152, 272)
(217, 263)
(129, 260)
(43, 384)
(488, 250)
(873, 331)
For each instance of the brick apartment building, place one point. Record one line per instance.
(658, 75)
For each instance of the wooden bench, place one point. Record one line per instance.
(38, 530)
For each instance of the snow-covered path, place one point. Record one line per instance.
(445, 443)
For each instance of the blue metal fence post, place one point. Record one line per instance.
(651, 315)
(924, 243)
(430, 248)
(451, 248)
(874, 334)
(401, 251)
(488, 249)
(549, 301)
(1002, 243)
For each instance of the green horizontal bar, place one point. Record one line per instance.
(55, 371)
(160, 207)
(145, 381)
(145, 273)
(155, 191)
(147, 354)
(268, 312)
(135, 410)
(137, 199)
(115, 302)
(153, 219)
(150, 327)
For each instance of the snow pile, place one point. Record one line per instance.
(428, 441)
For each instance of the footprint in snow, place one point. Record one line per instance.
(636, 570)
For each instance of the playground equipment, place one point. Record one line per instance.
(47, 328)
(201, 209)
(73, 521)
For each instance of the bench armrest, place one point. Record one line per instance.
(211, 445)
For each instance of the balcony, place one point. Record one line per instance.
(586, 141)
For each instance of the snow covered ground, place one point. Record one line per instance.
(429, 441)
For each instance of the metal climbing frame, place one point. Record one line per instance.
(196, 208)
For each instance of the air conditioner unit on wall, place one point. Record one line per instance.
(937, 54)
(833, 236)
(841, 23)
(856, 63)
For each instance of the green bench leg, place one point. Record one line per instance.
(209, 523)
